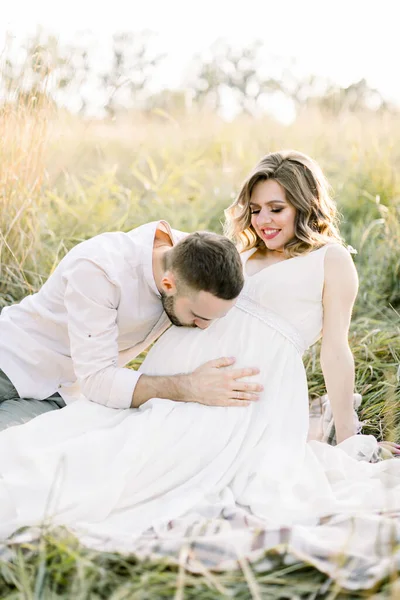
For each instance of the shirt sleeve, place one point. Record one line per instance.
(91, 299)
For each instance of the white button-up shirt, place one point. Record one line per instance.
(97, 311)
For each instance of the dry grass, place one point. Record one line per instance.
(63, 180)
(23, 143)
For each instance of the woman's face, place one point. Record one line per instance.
(272, 217)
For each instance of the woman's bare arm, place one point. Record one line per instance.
(340, 291)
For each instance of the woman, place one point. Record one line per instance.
(113, 475)
(284, 210)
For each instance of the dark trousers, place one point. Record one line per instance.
(15, 410)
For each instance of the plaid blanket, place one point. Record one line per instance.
(356, 552)
(322, 427)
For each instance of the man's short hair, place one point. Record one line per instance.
(208, 262)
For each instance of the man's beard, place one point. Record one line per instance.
(168, 303)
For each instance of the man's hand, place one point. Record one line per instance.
(213, 385)
(210, 384)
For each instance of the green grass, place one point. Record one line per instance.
(63, 180)
(376, 348)
(56, 567)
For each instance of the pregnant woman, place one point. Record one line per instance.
(116, 475)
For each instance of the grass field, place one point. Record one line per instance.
(63, 180)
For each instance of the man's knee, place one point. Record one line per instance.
(19, 410)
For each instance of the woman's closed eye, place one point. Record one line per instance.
(255, 211)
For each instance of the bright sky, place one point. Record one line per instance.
(341, 39)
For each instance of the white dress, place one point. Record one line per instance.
(113, 475)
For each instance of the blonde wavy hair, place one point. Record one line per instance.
(306, 188)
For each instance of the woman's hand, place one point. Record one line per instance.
(390, 447)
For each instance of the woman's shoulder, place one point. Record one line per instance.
(336, 252)
(333, 252)
(338, 264)
(245, 254)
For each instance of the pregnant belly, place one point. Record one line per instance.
(244, 336)
(280, 416)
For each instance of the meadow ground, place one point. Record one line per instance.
(63, 180)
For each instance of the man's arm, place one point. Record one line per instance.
(91, 300)
(209, 384)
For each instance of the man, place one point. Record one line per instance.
(108, 299)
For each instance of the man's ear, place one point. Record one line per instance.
(168, 283)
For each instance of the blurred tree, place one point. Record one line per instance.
(231, 71)
(208, 83)
(311, 91)
(298, 88)
(358, 96)
(243, 77)
(238, 78)
(131, 68)
(74, 77)
(35, 71)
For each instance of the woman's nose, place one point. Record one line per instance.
(264, 217)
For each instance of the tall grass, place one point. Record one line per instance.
(23, 138)
(58, 568)
(63, 180)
